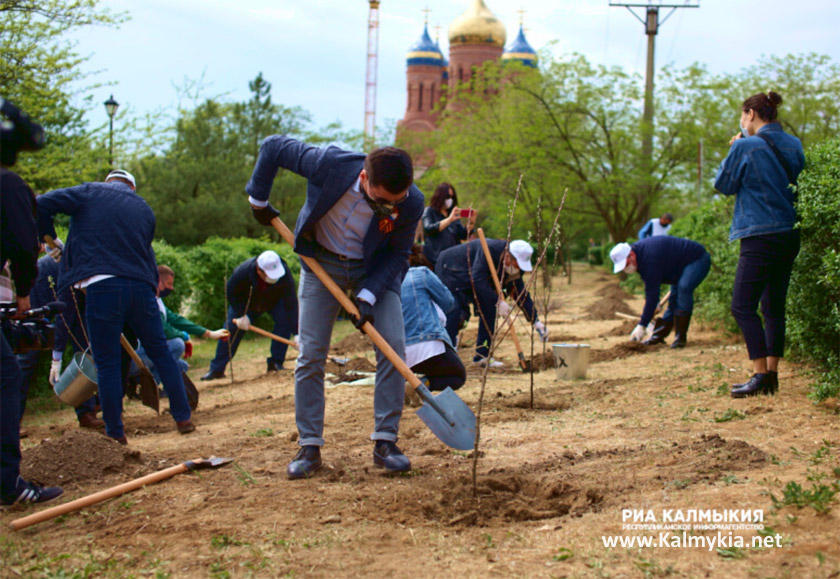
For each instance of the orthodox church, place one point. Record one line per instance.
(474, 38)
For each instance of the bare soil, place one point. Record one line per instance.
(648, 428)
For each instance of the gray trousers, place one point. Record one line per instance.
(318, 312)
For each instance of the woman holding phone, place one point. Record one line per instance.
(761, 170)
(441, 225)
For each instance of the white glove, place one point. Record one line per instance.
(541, 330)
(243, 323)
(502, 308)
(218, 334)
(55, 371)
(295, 340)
(638, 333)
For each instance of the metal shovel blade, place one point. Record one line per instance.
(149, 394)
(212, 462)
(448, 417)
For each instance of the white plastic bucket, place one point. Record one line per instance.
(78, 381)
(572, 360)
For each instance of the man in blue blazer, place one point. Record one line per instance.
(358, 221)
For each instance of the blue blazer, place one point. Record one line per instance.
(330, 172)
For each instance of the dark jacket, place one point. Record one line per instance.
(45, 291)
(662, 259)
(111, 232)
(764, 203)
(330, 172)
(18, 232)
(460, 266)
(437, 240)
(246, 291)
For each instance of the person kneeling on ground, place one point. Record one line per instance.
(428, 348)
(682, 263)
(463, 269)
(260, 284)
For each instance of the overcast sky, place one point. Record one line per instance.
(314, 51)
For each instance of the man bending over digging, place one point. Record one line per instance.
(358, 222)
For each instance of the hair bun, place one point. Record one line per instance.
(774, 98)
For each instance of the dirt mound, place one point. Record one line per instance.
(544, 399)
(717, 454)
(605, 308)
(614, 291)
(623, 329)
(353, 342)
(543, 361)
(77, 457)
(350, 371)
(618, 351)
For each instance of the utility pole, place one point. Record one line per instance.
(370, 75)
(652, 24)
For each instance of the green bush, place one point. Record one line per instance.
(175, 258)
(210, 266)
(814, 300)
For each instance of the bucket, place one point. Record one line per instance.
(572, 360)
(78, 381)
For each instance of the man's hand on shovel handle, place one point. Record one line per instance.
(365, 314)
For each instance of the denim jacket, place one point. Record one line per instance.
(751, 172)
(420, 289)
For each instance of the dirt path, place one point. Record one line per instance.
(650, 429)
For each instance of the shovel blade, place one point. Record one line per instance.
(457, 429)
(149, 394)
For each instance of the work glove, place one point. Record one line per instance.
(541, 330)
(243, 323)
(264, 214)
(55, 371)
(502, 308)
(637, 334)
(295, 340)
(56, 251)
(218, 334)
(187, 350)
(365, 314)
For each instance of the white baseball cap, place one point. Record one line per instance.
(121, 174)
(618, 255)
(522, 251)
(270, 263)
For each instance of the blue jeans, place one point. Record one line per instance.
(318, 311)
(111, 304)
(278, 349)
(681, 301)
(484, 303)
(9, 420)
(176, 349)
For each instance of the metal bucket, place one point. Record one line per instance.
(572, 360)
(78, 381)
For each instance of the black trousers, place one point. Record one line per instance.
(443, 370)
(763, 276)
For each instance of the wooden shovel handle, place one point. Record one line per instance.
(498, 285)
(127, 347)
(89, 500)
(348, 305)
(267, 334)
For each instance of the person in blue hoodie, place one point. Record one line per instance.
(109, 254)
(761, 171)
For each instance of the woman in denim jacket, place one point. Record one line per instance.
(762, 164)
(428, 350)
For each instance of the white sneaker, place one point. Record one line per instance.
(493, 363)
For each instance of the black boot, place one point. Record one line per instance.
(661, 329)
(773, 387)
(681, 322)
(758, 384)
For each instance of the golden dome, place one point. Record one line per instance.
(477, 26)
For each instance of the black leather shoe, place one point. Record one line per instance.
(681, 322)
(211, 375)
(773, 387)
(388, 456)
(758, 384)
(305, 463)
(272, 366)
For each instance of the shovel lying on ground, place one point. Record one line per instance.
(523, 363)
(52, 512)
(446, 415)
(282, 340)
(149, 395)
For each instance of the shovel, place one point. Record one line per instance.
(149, 395)
(523, 363)
(282, 340)
(446, 415)
(52, 512)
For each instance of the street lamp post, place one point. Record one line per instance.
(111, 107)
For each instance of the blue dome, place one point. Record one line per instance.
(425, 51)
(520, 50)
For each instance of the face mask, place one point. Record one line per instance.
(379, 208)
(165, 292)
(511, 270)
(744, 131)
(271, 280)
(628, 269)
(448, 203)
